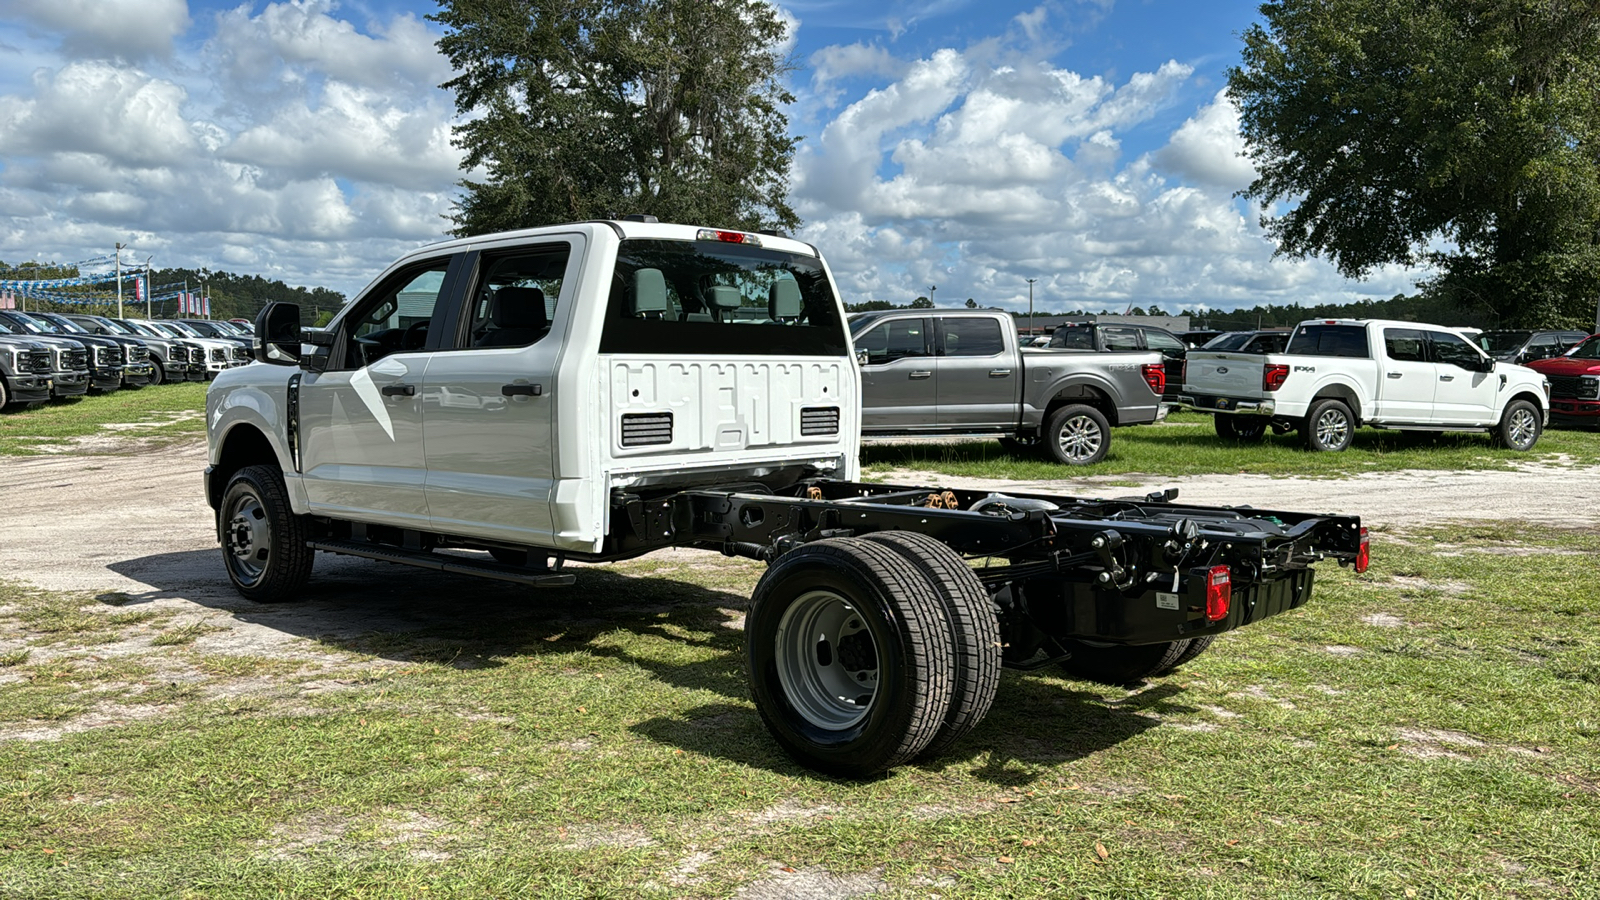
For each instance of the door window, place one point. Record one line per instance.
(894, 339)
(394, 317)
(516, 297)
(1543, 347)
(1072, 337)
(1405, 344)
(1447, 348)
(1120, 338)
(972, 337)
(1166, 343)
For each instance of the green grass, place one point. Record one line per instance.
(1431, 727)
(159, 414)
(1187, 444)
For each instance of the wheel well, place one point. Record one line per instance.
(1530, 396)
(243, 446)
(1340, 392)
(1082, 393)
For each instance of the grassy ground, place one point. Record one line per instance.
(1429, 729)
(1187, 444)
(137, 419)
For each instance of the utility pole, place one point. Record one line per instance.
(1030, 304)
(119, 279)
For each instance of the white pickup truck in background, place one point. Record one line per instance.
(1339, 374)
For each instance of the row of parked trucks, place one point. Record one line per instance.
(46, 356)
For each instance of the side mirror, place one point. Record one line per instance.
(862, 358)
(1485, 364)
(277, 337)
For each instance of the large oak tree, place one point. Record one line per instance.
(1458, 133)
(580, 109)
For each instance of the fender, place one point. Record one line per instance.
(267, 409)
(1295, 405)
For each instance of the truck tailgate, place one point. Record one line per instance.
(1225, 374)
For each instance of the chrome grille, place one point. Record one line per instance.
(38, 362)
(644, 429)
(76, 360)
(819, 420)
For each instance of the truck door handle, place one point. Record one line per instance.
(1395, 374)
(1447, 378)
(919, 375)
(999, 373)
(522, 390)
(399, 390)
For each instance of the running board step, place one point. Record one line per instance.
(453, 565)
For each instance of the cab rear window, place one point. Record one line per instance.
(722, 299)
(1330, 340)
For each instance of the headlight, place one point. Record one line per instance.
(1589, 387)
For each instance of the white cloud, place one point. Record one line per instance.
(286, 41)
(119, 113)
(107, 29)
(1208, 149)
(977, 175)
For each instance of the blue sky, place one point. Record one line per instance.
(966, 144)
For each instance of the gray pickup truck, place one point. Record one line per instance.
(960, 371)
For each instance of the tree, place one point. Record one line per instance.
(1458, 133)
(582, 109)
(971, 303)
(922, 303)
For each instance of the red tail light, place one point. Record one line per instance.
(1219, 593)
(1273, 376)
(1363, 555)
(1155, 375)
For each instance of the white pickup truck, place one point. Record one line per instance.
(1339, 374)
(499, 405)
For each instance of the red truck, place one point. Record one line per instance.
(1574, 382)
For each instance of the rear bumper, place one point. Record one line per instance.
(1159, 616)
(1218, 403)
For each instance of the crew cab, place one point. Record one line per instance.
(1339, 374)
(501, 404)
(960, 372)
(1574, 382)
(1118, 337)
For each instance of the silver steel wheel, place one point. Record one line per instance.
(1523, 428)
(1333, 428)
(248, 538)
(1080, 437)
(827, 660)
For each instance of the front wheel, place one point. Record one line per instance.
(849, 655)
(1329, 426)
(159, 373)
(263, 541)
(1520, 426)
(1077, 435)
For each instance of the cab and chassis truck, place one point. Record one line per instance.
(601, 390)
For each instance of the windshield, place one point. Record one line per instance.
(134, 327)
(1589, 349)
(66, 325)
(1233, 340)
(229, 328)
(1500, 343)
(115, 327)
(180, 328)
(716, 298)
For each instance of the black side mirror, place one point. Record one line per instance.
(277, 337)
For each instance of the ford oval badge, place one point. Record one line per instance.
(1222, 370)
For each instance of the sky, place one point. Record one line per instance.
(950, 148)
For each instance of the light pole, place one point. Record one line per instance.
(119, 279)
(148, 287)
(1030, 304)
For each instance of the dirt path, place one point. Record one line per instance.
(139, 523)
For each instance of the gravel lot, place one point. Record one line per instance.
(140, 524)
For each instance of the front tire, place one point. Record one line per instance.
(1329, 426)
(1077, 435)
(1520, 426)
(849, 657)
(974, 630)
(263, 542)
(159, 375)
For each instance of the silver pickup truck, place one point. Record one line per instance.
(960, 371)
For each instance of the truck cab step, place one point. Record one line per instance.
(452, 564)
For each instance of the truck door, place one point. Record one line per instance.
(1407, 383)
(978, 385)
(899, 386)
(488, 408)
(361, 418)
(1462, 394)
